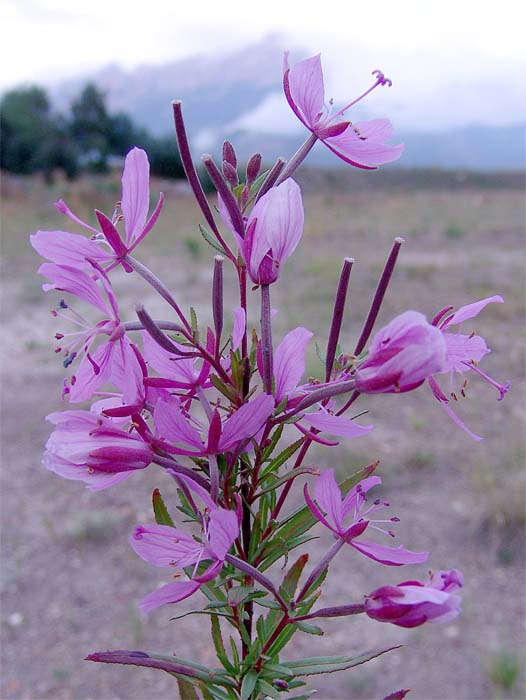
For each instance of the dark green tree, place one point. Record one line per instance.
(90, 127)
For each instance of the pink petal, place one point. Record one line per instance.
(161, 545)
(471, 310)
(392, 556)
(171, 593)
(224, 528)
(365, 154)
(444, 402)
(171, 425)
(71, 249)
(329, 497)
(239, 327)
(305, 85)
(461, 349)
(336, 425)
(135, 193)
(289, 361)
(246, 421)
(75, 281)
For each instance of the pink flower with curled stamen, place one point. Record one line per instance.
(463, 353)
(349, 517)
(74, 250)
(362, 144)
(166, 546)
(115, 360)
(412, 603)
(88, 447)
(273, 231)
(402, 356)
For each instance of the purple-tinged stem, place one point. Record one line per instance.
(337, 316)
(214, 477)
(217, 300)
(337, 611)
(254, 573)
(266, 338)
(225, 193)
(297, 159)
(320, 568)
(156, 283)
(271, 178)
(191, 174)
(164, 325)
(156, 333)
(379, 295)
(180, 469)
(326, 392)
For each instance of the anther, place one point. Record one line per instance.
(395, 519)
(377, 502)
(391, 533)
(59, 336)
(62, 304)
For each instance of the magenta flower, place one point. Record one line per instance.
(333, 511)
(411, 603)
(176, 372)
(362, 144)
(74, 250)
(165, 546)
(88, 447)
(114, 360)
(402, 355)
(463, 353)
(179, 433)
(273, 231)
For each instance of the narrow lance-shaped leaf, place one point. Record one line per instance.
(162, 516)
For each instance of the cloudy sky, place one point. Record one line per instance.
(423, 45)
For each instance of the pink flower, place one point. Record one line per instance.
(402, 355)
(463, 353)
(289, 368)
(179, 433)
(115, 360)
(273, 231)
(362, 144)
(74, 250)
(165, 546)
(411, 603)
(333, 511)
(88, 447)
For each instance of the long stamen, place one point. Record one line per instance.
(501, 388)
(380, 80)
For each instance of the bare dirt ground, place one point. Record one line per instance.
(70, 583)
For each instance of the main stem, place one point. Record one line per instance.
(266, 338)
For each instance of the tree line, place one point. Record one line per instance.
(34, 138)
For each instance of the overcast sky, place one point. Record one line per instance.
(420, 44)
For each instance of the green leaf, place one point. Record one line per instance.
(258, 182)
(273, 442)
(162, 516)
(220, 647)
(263, 687)
(187, 690)
(209, 238)
(329, 664)
(309, 629)
(227, 391)
(276, 463)
(248, 685)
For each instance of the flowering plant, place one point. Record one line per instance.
(223, 413)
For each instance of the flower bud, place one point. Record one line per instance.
(412, 603)
(229, 154)
(253, 168)
(402, 356)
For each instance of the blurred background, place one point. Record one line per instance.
(83, 83)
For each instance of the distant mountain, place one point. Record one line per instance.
(238, 95)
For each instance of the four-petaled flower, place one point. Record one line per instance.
(333, 512)
(411, 603)
(463, 353)
(166, 546)
(362, 144)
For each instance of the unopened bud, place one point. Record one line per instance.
(230, 174)
(253, 168)
(229, 154)
(280, 685)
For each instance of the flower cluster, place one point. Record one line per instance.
(210, 409)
